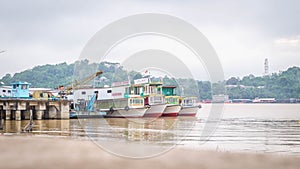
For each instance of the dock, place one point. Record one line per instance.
(21, 109)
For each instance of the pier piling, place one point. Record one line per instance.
(20, 109)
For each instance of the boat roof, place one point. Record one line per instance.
(169, 86)
(26, 83)
(174, 96)
(155, 83)
(40, 89)
(137, 85)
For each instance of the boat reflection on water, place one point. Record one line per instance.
(164, 130)
(167, 130)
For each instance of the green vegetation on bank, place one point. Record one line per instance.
(283, 85)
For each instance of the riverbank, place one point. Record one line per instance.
(36, 152)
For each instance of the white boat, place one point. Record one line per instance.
(123, 113)
(133, 109)
(171, 110)
(188, 111)
(155, 110)
(156, 105)
(152, 94)
(123, 107)
(114, 101)
(189, 106)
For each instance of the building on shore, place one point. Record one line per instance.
(222, 98)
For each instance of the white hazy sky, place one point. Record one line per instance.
(243, 33)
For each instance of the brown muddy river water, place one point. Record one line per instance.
(255, 128)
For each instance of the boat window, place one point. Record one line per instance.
(127, 90)
(189, 101)
(8, 91)
(136, 91)
(159, 91)
(156, 99)
(3, 90)
(141, 90)
(151, 90)
(108, 91)
(83, 92)
(96, 91)
(24, 87)
(136, 101)
(172, 100)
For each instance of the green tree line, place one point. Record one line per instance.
(282, 85)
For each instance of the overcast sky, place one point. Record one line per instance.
(243, 33)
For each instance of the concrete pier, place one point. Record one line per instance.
(20, 109)
(18, 115)
(7, 114)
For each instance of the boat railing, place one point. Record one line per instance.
(172, 100)
(189, 102)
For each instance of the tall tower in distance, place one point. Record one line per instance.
(266, 67)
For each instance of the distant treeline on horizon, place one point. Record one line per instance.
(282, 85)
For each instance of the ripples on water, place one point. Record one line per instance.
(271, 128)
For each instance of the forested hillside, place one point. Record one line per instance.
(48, 76)
(283, 85)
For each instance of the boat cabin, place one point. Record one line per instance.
(20, 90)
(153, 88)
(150, 91)
(189, 101)
(172, 100)
(170, 95)
(136, 102)
(5, 91)
(169, 90)
(145, 89)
